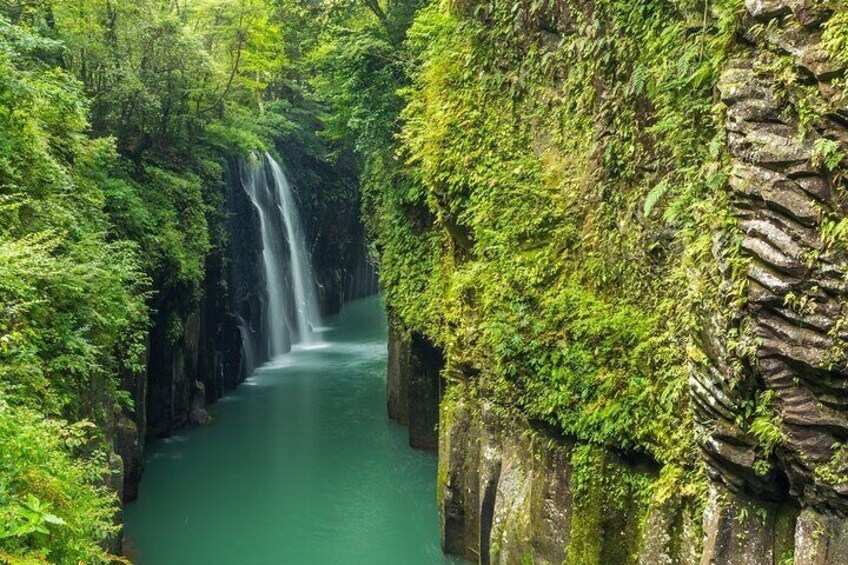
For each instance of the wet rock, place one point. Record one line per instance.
(669, 538)
(424, 392)
(512, 529)
(743, 531)
(458, 479)
(489, 472)
(768, 9)
(199, 415)
(551, 503)
(414, 384)
(129, 448)
(398, 373)
(814, 59)
(775, 191)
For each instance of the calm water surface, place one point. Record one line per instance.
(301, 467)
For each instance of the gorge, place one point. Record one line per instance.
(612, 251)
(300, 466)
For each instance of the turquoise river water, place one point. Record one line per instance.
(300, 467)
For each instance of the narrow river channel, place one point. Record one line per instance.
(300, 467)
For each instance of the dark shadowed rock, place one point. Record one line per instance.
(424, 392)
(397, 375)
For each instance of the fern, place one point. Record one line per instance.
(639, 79)
(655, 195)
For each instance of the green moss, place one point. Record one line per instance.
(447, 409)
(612, 501)
(548, 217)
(584, 547)
(784, 535)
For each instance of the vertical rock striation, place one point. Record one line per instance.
(414, 384)
(512, 494)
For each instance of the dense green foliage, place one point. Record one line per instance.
(115, 120)
(575, 286)
(49, 509)
(545, 184)
(542, 202)
(541, 180)
(70, 299)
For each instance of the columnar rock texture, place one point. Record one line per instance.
(184, 373)
(771, 403)
(512, 494)
(397, 375)
(129, 436)
(414, 384)
(244, 287)
(196, 350)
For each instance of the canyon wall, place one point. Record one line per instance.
(510, 492)
(196, 350)
(784, 346)
(739, 457)
(414, 384)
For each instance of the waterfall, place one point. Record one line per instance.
(289, 302)
(255, 184)
(248, 353)
(307, 314)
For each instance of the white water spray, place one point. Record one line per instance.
(279, 225)
(255, 184)
(308, 316)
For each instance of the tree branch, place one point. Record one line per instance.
(374, 6)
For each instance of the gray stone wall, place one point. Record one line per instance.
(511, 494)
(414, 384)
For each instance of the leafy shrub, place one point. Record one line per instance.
(52, 507)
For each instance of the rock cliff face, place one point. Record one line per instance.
(782, 350)
(195, 364)
(510, 493)
(414, 384)
(768, 385)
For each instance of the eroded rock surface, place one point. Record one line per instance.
(397, 378)
(775, 351)
(414, 384)
(510, 494)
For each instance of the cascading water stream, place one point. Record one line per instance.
(308, 316)
(287, 269)
(249, 354)
(255, 184)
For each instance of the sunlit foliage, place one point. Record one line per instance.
(115, 119)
